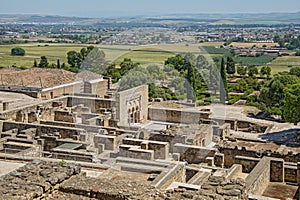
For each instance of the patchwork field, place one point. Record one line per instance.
(152, 54)
(145, 55)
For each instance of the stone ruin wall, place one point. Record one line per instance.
(176, 116)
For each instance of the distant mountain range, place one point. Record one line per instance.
(234, 18)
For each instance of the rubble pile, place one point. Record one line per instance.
(102, 188)
(216, 188)
(35, 180)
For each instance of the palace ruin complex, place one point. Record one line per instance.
(77, 137)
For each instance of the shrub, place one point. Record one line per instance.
(17, 51)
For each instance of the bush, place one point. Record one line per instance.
(17, 51)
(62, 163)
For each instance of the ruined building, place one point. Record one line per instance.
(79, 138)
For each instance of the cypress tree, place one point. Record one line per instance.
(58, 64)
(223, 82)
(35, 63)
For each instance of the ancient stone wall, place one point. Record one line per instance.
(231, 152)
(136, 152)
(64, 116)
(176, 116)
(43, 129)
(95, 104)
(176, 174)
(290, 173)
(194, 154)
(277, 170)
(50, 93)
(259, 178)
(248, 163)
(171, 139)
(161, 149)
(132, 105)
(110, 142)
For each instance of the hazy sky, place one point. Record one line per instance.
(100, 8)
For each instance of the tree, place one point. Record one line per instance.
(252, 71)
(241, 85)
(281, 42)
(156, 72)
(202, 63)
(58, 64)
(223, 82)
(95, 61)
(73, 59)
(133, 79)
(230, 67)
(35, 63)
(176, 61)
(17, 51)
(265, 71)
(295, 71)
(272, 94)
(241, 70)
(291, 107)
(43, 62)
(192, 81)
(297, 53)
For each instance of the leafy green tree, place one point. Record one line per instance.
(241, 70)
(83, 53)
(74, 59)
(272, 94)
(17, 51)
(43, 62)
(252, 71)
(230, 67)
(295, 71)
(241, 85)
(265, 71)
(133, 79)
(291, 107)
(177, 61)
(297, 53)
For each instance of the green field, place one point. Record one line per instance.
(144, 56)
(277, 69)
(33, 51)
(286, 60)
